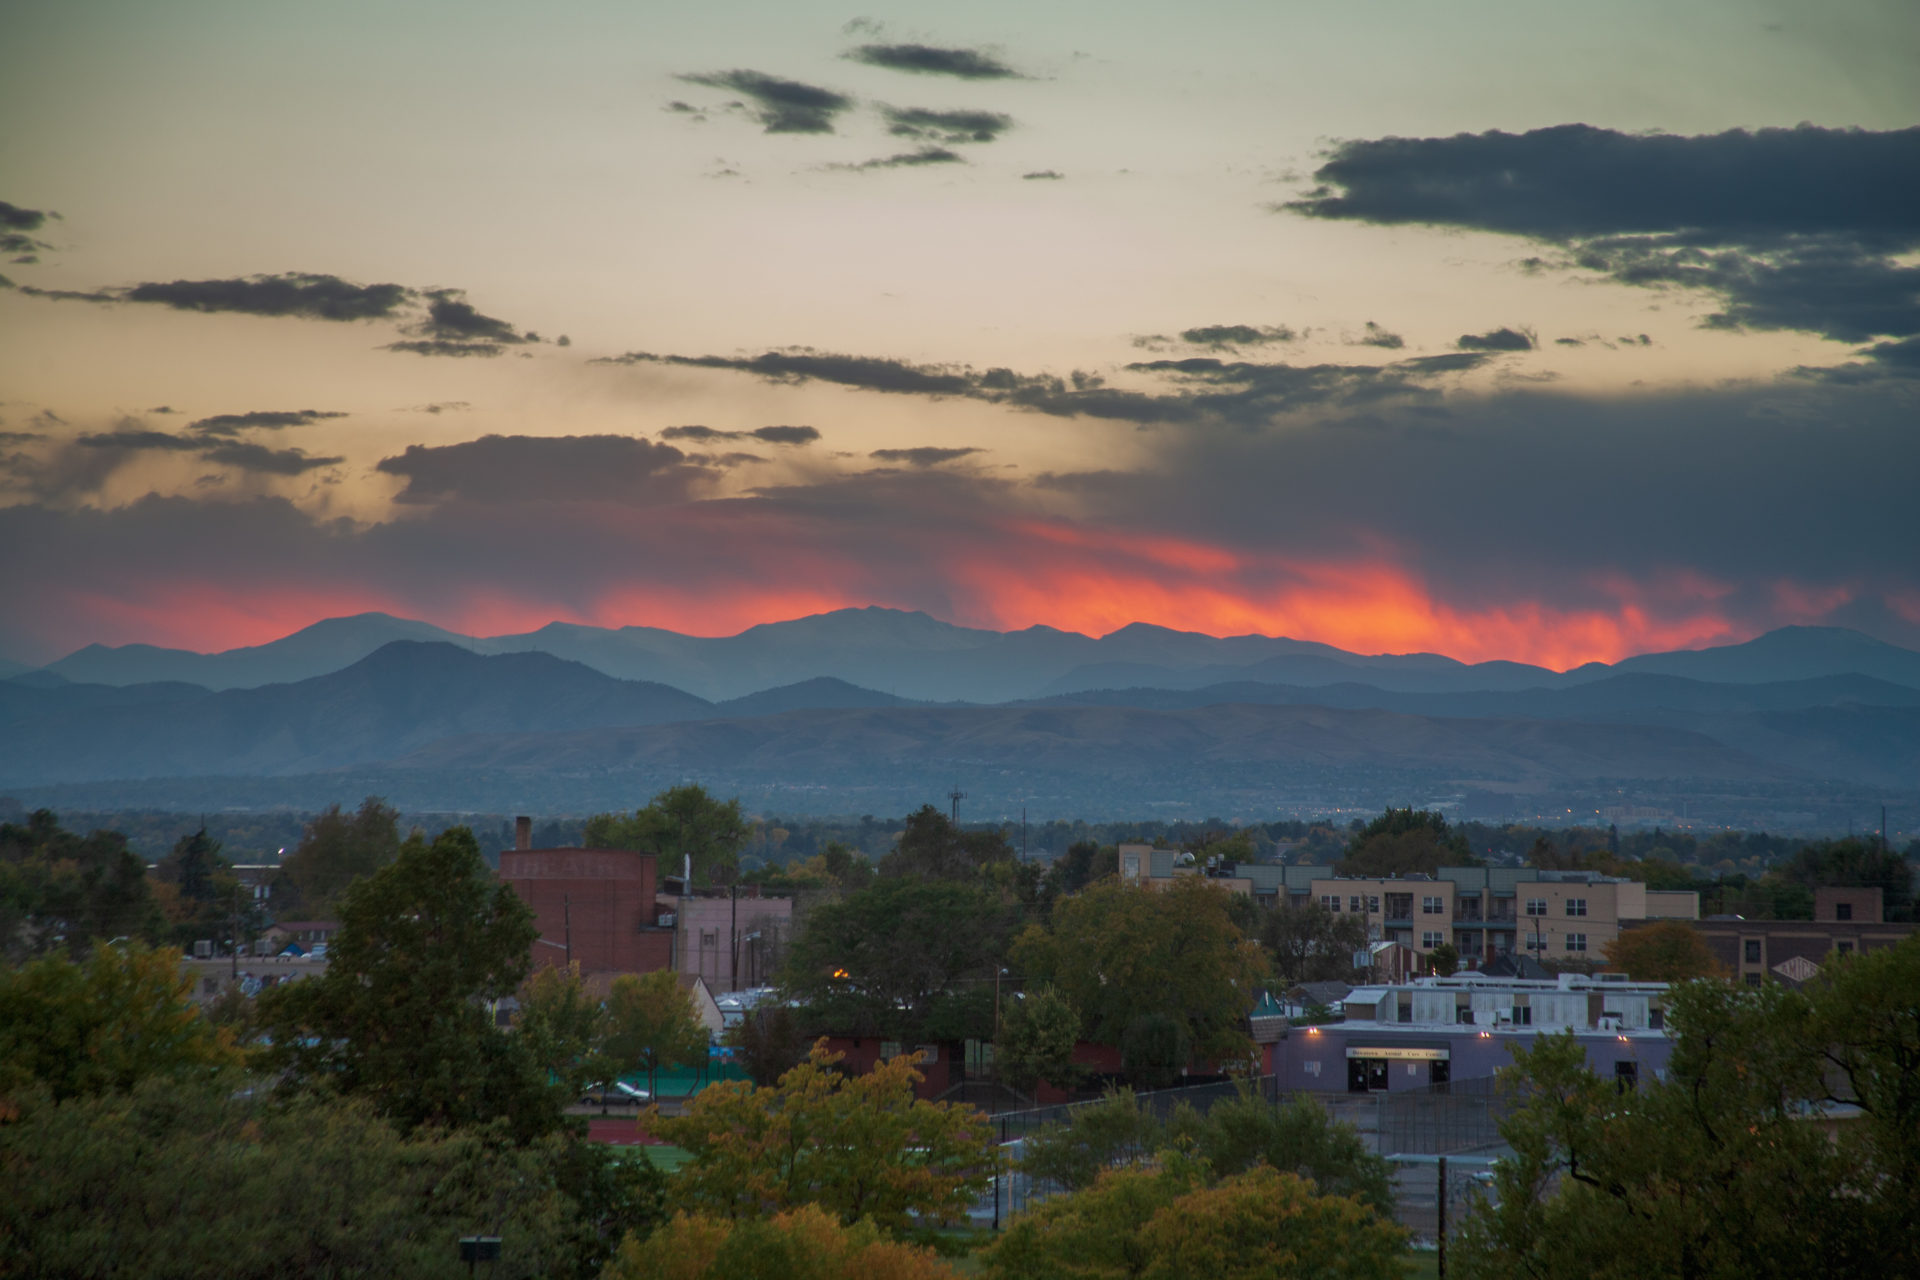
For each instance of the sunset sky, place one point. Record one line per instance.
(1503, 330)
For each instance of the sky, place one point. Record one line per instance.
(1501, 330)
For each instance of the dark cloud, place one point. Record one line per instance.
(1569, 342)
(16, 224)
(1376, 495)
(20, 437)
(907, 160)
(312, 297)
(967, 64)
(1375, 336)
(924, 456)
(442, 347)
(953, 127)
(1222, 336)
(772, 435)
(227, 424)
(1043, 175)
(163, 408)
(508, 469)
(787, 435)
(1802, 228)
(781, 106)
(451, 318)
(442, 406)
(1206, 390)
(1496, 340)
(118, 445)
(258, 457)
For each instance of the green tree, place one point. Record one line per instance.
(767, 1043)
(931, 846)
(651, 1024)
(401, 1016)
(1264, 1223)
(680, 822)
(1155, 1049)
(564, 1028)
(1174, 1221)
(1038, 1032)
(857, 1146)
(1309, 943)
(904, 959)
(1718, 1170)
(1400, 841)
(1097, 1136)
(1298, 1136)
(209, 1176)
(194, 866)
(1663, 951)
(1444, 959)
(1854, 863)
(76, 1030)
(1119, 953)
(339, 848)
(63, 892)
(804, 1244)
(1084, 862)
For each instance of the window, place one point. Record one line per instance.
(1331, 901)
(1373, 902)
(1576, 906)
(1753, 951)
(1843, 911)
(1354, 903)
(1753, 979)
(1430, 939)
(1626, 1075)
(1657, 1019)
(1433, 906)
(1843, 947)
(1523, 1015)
(1536, 906)
(1576, 942)
(709, 937)
(1464, 1013)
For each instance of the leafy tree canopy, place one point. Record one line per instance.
(932, 847)
(651, 1024)
(62, 892)
(564, 1028)
(1173, 1223)
(679, 823)
(210, 1177)
(767, 1042)
(906, 958)
(1038, 1032)
(1406, 840)
(401, 1015)
(1309, 943)
(1855, 863)
(339, 848)
(803, 1244)
(1119, 953)
(78, 1030)
(1720, 1170)
(1663, 951)
(856, 1146)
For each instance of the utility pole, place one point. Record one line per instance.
(956, 795)
(1023, 830)
(1443, 1218)
(733, 932)
(233, 939)
(566, 919)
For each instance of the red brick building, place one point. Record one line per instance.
(596, 907)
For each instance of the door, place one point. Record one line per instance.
(1439, 1071)
(1356, 1075)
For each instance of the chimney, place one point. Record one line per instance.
(686, 871)
(523, 833)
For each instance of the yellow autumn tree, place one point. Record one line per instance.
(807, 1243)
(857, 1146)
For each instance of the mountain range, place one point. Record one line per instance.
(1795, 710)
(912, 655)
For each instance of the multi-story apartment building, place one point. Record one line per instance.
(1483, 912)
